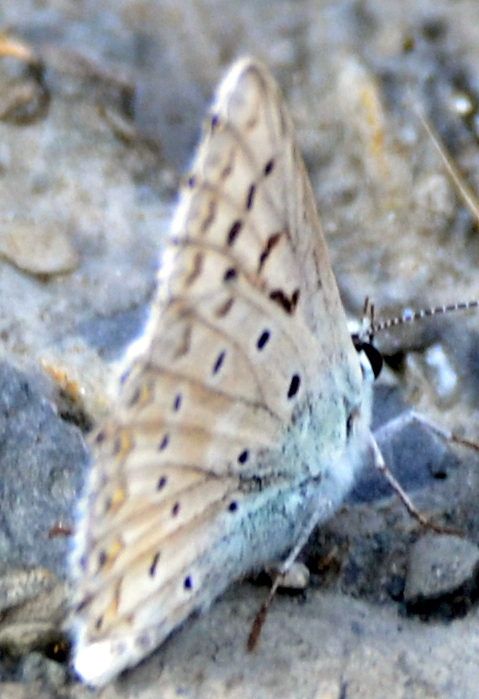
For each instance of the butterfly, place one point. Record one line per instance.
(244, 411)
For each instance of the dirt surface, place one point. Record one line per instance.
(96, 128)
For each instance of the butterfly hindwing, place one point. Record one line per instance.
(231, 427)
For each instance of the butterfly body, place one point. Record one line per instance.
(244, 410)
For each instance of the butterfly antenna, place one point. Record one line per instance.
(409, 316)
(366, 331)
(465, 192)
(470, 200)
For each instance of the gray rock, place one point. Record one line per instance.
(442, 575)
(42, 459)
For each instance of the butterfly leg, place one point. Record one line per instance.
(409, 416)
(443, 433)
(380, 464)
(296, 578)
(282, 571)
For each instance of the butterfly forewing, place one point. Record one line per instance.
(213, 461)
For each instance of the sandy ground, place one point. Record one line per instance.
(91, 154)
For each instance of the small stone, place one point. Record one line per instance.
(297, 577)
(39, 249)
(442, 575)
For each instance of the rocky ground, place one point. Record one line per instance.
(99, 110)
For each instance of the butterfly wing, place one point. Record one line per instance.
(233, 411)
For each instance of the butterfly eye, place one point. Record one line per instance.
(373, 355)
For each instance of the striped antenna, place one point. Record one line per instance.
(369, 326)
(409, 316)
(470, 200)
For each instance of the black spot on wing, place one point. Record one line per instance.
(234, 232)
(243, 457)
(263, 339)
(269, 167)
(250, 197)
(230, 274)
(153, 565)
(271, 243)
(294, 385)
(288, 304)
(219, 362)
(164, 442)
